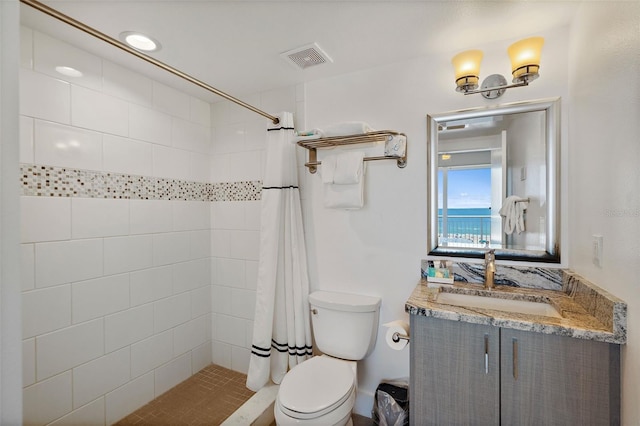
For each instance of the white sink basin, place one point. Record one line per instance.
(508, 305)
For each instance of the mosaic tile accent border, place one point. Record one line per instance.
(52, 181)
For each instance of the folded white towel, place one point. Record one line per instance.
(347, 128)
(306, 135)
(328, 169)
(346, 190)
(513, 212)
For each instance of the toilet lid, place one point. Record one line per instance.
(315, 387)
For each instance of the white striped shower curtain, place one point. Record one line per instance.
(281, 332)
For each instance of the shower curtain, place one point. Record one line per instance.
(281, 332)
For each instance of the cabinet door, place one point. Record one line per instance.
(454, 373)
(555, 380)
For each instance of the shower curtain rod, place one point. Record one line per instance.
(92, 31)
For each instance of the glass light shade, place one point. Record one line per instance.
(525, 58)
(467, 68)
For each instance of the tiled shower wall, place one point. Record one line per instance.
(117, 289)
(140, 212)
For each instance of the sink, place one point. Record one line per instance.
(508, 305)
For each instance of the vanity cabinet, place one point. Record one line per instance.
(463, 373)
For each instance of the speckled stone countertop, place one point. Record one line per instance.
(587, 311)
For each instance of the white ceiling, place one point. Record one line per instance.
(235, 46)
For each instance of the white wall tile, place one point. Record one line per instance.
(255, 135)
(170, 163)
(171, 101)
(245, 166)
(228, 214)
(45, 310)
(47, 400)
(200, 244)
(249, 337)
(151, 284)
(240, 359)
(252, 211)
(245, 245)
(151, 216)
(97, 111)
(126, 84)
(125, 254)
(151, 353)
(27, 266)
(90, 414)
(102, 375)
(221, 300)
(243, 303)
(49, 53)
(191, 334)
(283, 99)
(251, 275)
(97, 217)
(228, 112)
(172, 373)
(45, 219)
(100, 297)
(170, 248)
(127, 327)
(201, 357)
(230, 330)
(200, 112)
(26, 47)
(128, 398)
(230, 273)
(28, 362)
(26, 140)
(190, 136)
(219, 168)
(122, 155)
(67, 261)
(190, 215)
(199, 167)
(191, 275)
(149, 125)
(70, 347)
(220, 243)
(221, 354)
(44, 97)
(66, 146)
(200, 301)
(170, 312)
(229, 138)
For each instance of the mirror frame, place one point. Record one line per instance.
(551, 109)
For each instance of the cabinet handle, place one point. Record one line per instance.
(514, 343)
(486, 354)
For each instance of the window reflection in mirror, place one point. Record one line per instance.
(495, 173)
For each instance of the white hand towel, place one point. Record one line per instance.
(513, 212)
(328, 169)
(347, 128)
(350, 196)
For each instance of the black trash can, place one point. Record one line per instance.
(391, 404)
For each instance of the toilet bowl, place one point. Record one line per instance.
(320, 391)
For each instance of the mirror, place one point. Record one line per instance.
(494, 182)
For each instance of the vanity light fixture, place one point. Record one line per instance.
(525, 63)
(140, 41)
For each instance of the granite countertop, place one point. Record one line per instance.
(587, 311)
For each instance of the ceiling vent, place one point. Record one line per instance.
(306, 56)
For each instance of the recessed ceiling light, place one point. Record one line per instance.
(68, 71)
(140, 41)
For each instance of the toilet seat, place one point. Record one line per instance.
(316, 387)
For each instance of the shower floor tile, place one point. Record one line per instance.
(206, 398)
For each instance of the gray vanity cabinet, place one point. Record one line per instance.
(454, 376)
(471, 374)
(556, 380)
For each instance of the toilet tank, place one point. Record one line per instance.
(344, 325)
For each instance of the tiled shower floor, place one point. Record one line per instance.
(206, 398)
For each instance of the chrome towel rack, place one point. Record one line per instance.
(330, 142)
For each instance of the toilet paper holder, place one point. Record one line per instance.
(396, 337)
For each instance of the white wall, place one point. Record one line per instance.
(377, 250)
(604, 165)
(116, 292)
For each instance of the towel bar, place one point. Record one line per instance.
(330, 142)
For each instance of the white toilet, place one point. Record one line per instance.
(322, 390)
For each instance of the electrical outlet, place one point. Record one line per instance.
(597, 250)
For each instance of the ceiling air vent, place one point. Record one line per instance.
(306, 56)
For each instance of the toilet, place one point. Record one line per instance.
(322, 390)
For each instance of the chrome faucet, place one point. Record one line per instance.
(489, 268)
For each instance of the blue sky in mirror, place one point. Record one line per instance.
(467, 188)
